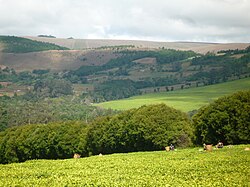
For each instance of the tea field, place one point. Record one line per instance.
(183, 167)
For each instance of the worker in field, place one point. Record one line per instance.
(219, 145)
(204, 147)
(171, 147)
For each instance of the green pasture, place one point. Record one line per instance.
(229, 166)
(185, 100)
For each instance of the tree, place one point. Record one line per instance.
(146, 128)
(52, 88)
(226, 120)
(50, 141)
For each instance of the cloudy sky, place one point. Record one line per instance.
(158, 20)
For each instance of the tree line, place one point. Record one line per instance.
(147, 128)
(16, 111)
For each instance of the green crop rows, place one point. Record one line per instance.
(184, 167)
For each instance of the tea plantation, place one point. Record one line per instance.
(229, 166)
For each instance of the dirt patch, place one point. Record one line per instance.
(56, 60)
(146, 61)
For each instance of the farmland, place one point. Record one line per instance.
(183, 167)
(185, 100)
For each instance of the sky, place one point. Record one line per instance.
(156, 20)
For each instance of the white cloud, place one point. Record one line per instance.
(193, 20)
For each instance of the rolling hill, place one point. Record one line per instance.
(87, 52)
(117, 69)
(185, 100)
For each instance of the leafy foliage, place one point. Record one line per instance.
(17, 112)
(147, 128)
(114, 89)
(52, 88)
(14, 44)
(226, 120)
(52, 141)
(215, 69)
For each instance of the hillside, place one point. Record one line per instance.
(55, 60)
(121, 71)
(185, 100)
(48, 53)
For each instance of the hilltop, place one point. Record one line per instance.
(199, 47)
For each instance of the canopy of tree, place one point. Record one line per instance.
(226, 120)
(53, 141)
(147, 128)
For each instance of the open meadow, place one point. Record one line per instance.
(184, 100)
(229, 166)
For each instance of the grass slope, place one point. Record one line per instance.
(185, 100)
(186, 167)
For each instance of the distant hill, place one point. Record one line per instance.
(50, 53)
(13, 44)
(117, 69)
(199, 47)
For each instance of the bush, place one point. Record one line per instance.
(226, 120)
(44, 141)
(147, 128)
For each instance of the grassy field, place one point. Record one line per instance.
(185, 100)
(183, 167)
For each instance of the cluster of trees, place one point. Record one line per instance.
(209, 69)
(226, 120)
(215, 69)
(13, 44)
(42, 141)
(17, 111)
(144, 129)
(52, 88)
(114, 89)
(126, 59)
(46, 36)
(236, 51)
(124, 88)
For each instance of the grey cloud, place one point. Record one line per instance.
(196, 20)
